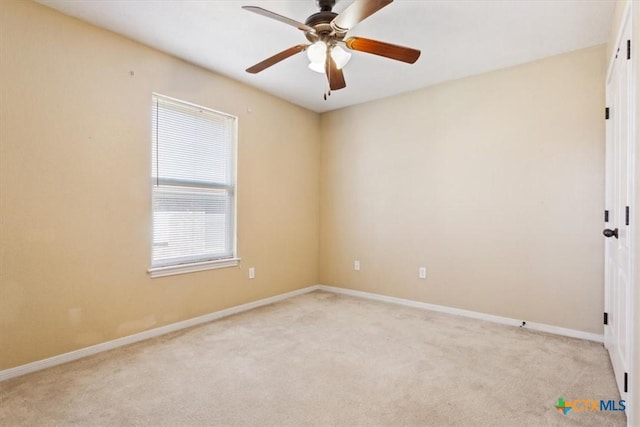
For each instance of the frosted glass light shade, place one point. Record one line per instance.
(317, 67)
(317, 52)
(340, 56)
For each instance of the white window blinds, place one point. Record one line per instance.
(193, 154)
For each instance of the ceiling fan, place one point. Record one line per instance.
(326, 32)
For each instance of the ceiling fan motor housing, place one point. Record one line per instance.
(321, 21)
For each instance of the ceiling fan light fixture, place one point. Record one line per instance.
(340, 56)
(317, 52)
(317, 67)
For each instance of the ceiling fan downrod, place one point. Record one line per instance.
(325, 5)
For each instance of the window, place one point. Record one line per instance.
(193, 189)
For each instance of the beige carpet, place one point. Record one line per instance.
(324, 359)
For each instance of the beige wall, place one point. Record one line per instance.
(75, 188)
(494, 183)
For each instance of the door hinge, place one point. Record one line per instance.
(606, 113)
(606, 215)
(606, 318)
(626, 382)
(626, 215)
(628, 49)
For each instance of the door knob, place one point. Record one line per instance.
(610, 233)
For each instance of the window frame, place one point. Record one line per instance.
(188, 267)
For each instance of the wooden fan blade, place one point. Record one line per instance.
(276, 58)
(357, 11)
(334, 75)
(273, 15)
(388, 50)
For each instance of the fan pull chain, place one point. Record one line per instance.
(326, 94)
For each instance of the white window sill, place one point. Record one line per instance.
(170, 270)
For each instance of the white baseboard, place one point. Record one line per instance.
(556, 330)
(151, 333)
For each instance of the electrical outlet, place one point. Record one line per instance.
(252, 272)
(356, 265)
(422, 272)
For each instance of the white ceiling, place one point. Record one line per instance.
(457, 39)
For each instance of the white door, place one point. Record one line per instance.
(619, 197)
